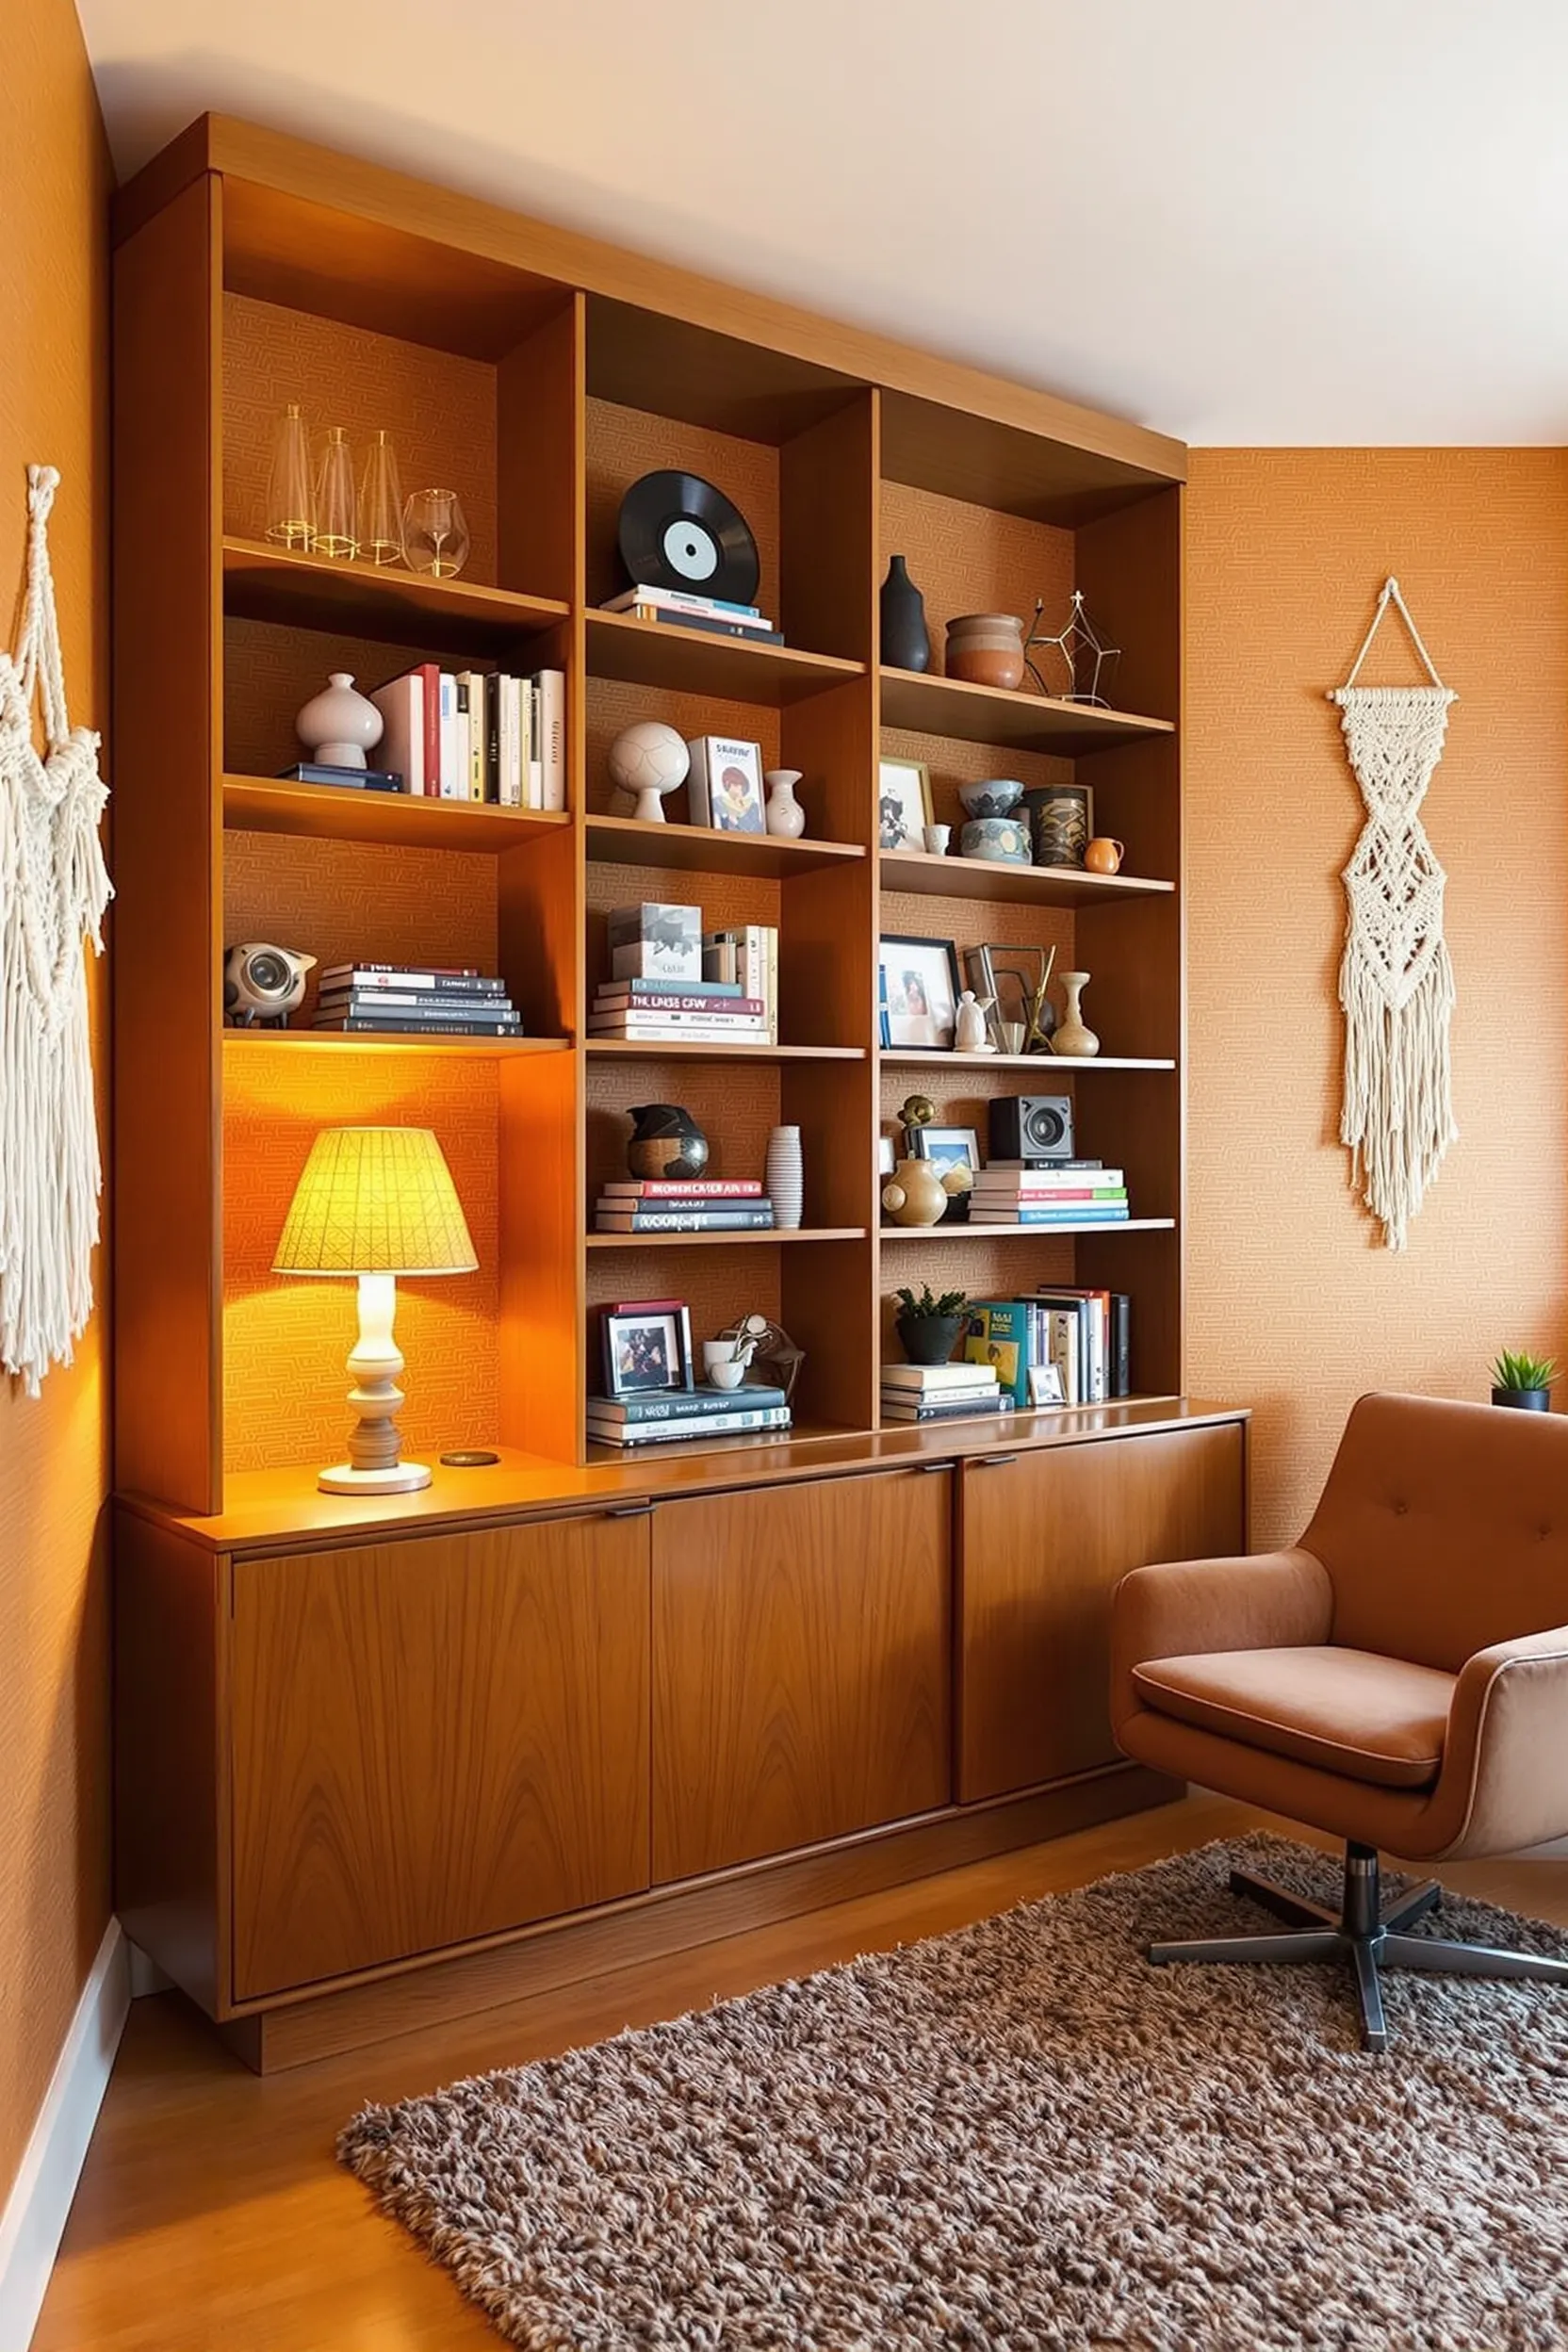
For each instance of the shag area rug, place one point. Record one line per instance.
(1021, 2138)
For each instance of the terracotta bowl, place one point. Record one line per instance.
(986, 649)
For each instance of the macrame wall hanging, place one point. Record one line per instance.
(1395, 981)
(53, 892)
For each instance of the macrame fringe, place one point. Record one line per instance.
(53, 889)
(1397, 1117)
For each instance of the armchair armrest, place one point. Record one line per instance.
(1265, 1601)
(1506, 1756)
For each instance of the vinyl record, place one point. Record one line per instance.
(678, 531)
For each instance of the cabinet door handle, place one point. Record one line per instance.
(990, 1462)
(628, 1510)
(926, 1467)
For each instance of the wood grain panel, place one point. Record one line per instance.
(465, 1746)
(801, 1666)
(1044, 1539)
(1292, 1304)
(167, 846)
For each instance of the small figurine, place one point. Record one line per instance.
(969, 1034)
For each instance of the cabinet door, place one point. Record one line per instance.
(802, 1665)
(1044, 1537)
(435, 1739)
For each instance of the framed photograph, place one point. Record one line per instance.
(904, 802)
(948, 1148)
(1061, 822)
(1045, 1385)
(647, 1345)
(917, 991)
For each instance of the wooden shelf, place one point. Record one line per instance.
(694, 661)
(725, 1241)
(394, 605)
(913, 871)
(338, 1041)
(633, 1049)
(342, 812)
(698, 849)
(1040, 1232)
(1015, 722)
(1069, 1065)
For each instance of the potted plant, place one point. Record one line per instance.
(927, 1326)
(1523, 1381)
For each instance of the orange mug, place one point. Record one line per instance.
(1102, 855)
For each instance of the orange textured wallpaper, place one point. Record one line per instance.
(53, 1614)
(1294, 1308)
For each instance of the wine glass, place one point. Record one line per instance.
(436, 533)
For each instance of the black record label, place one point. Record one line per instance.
(678, 531)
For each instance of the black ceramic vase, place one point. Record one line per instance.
(928, 1338)
(1523, 1399)
(905, 640)
(666, 1142)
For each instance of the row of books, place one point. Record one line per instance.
(684, 1204)
(682, 608)
(476, 735)
(701, 1012)
(746, 956)
(940, 1392)
(1065, 1346)
(1062, 1192)
(665, 1417)
(381, 1000)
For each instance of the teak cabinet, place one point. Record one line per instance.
(559, 1741)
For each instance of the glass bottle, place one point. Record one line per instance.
(381, 504)
(290, 502)
(336, 505)
(436, 533)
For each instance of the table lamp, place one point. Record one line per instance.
(377, 1203)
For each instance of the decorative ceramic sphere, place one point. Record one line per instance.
(338, 726)
(649, 759)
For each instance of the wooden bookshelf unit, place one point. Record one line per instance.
(540, 374)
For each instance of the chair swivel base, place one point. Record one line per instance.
(1363, 1933)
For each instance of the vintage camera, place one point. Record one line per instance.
(263, 985)
(1031, 1127)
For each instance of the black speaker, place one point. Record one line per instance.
(1031, 1127)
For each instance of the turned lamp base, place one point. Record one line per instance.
(373, 1467)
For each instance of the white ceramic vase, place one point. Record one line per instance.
(338, 726)
(786, 817)
(785, 1176)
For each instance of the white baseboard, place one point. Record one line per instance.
(34, 2218)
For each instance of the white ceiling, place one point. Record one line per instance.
(1237, 221)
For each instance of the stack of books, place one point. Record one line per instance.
(684, 1204)
(472, 735)
(663, 1417)
(1064, 1192)
(689, 1012)
(940, 1392)
(1082, 1337)
(680, 608)
(746, 955)
(387, 998)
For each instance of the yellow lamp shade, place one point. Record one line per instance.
(375, 1200)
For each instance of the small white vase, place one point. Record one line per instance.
(785, 1177)
(786, 817)
(338, 726)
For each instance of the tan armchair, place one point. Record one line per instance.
(1399, 1677)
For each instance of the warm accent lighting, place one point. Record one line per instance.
(376, 1202)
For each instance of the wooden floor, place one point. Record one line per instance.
(212, 2216)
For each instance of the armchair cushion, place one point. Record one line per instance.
(1371, 1718)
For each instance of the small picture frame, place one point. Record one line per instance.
(1045, 1385)
(648, 1346)
(904, 802)
(947, 1147)
(917, 991)
(724, 785)
(1061, 822)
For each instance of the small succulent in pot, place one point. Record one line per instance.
(928, 1323)
(1523, 1381)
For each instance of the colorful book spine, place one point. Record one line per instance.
(686, 1222)
(998, 1333)
(692, 1404)
(620, 999)
(552, 720)
(683, 600)
(452, 981)
(679, 1188)
(394, 1024)
(665, 1432)
(715, 624)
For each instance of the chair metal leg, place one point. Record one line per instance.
(1318, 1944)
(1406, 1909)
(1440, 1958)
(1364, 1958)
(1294, 1909)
